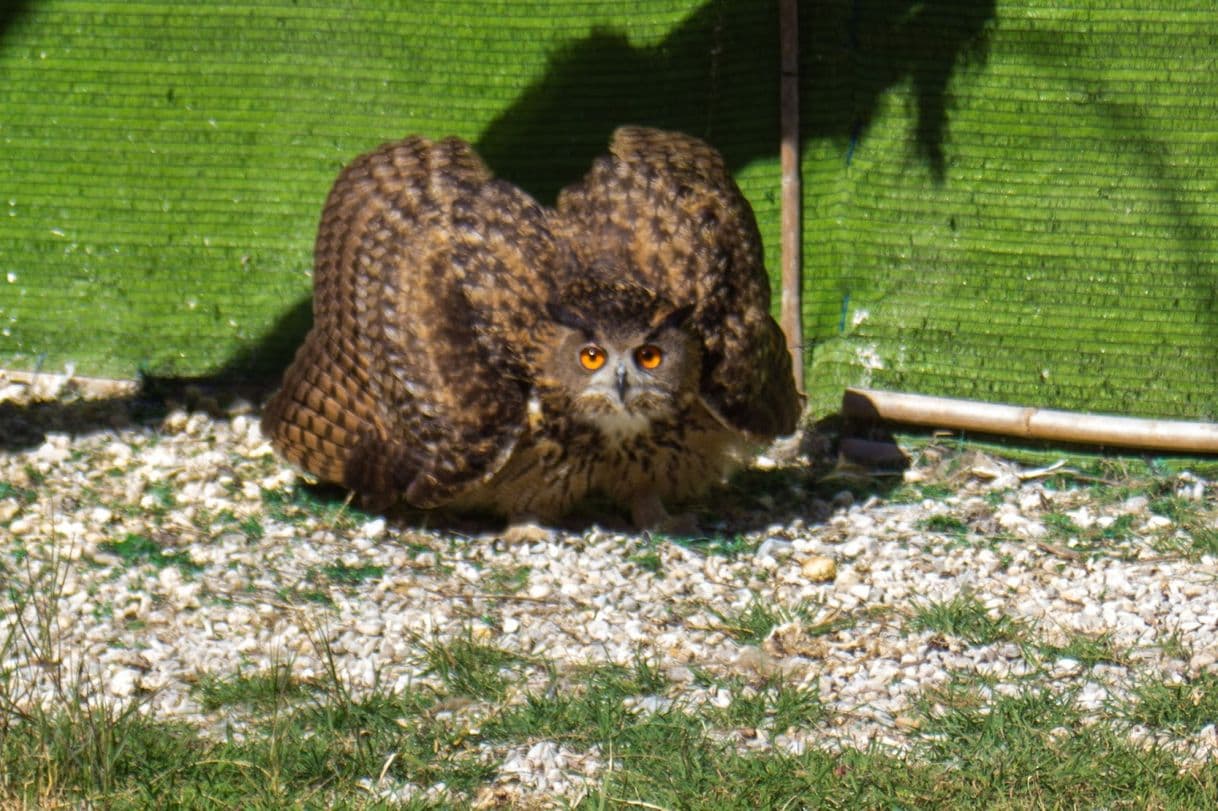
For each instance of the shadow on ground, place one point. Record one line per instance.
(811, 479)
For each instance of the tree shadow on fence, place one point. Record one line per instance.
(10, 12)
(716, 75)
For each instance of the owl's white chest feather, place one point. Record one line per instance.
(619, 426)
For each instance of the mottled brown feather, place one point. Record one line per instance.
(403, 388)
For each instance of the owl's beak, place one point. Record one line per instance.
(621, 383)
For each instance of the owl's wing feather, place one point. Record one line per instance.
(408, 386)
(664, 204)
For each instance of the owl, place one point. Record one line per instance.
(474, 350)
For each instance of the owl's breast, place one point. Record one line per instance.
(560, 461)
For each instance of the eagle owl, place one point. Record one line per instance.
(473, 349)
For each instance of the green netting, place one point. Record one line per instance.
(1010, 201)
(1066, 256)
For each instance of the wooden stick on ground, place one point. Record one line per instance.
(792, 220)
(1032, 423)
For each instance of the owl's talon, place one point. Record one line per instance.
(648, 513)
(526, 532)
(682, 525)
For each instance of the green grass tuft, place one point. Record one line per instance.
(1086, 649)
(344, 575)
(473, 669)
(1183, 706)
(944, 524)
(260, 691)
(964, 617)
(137, 549)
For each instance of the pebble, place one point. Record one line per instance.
(818, 569)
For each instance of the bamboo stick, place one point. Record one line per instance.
(1032, 423)
(791, 314)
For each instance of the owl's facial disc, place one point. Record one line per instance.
(627, 381)
(620, 369)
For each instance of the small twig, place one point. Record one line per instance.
(1041, 472)
(1060, 551)
(380, 779)
(639, 804)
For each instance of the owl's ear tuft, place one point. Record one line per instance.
(561, 313)
(673, 319)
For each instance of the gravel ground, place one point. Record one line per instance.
(180, 552)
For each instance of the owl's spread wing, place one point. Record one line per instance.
(664, 204)
(408, 385)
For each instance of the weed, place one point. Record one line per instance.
(1086, 649)
(136, 549)
(1096, 537)
(728, 546)
(298, 504)
(252, 528)
(752, 624)
(260, 691)
(944, 524)
(1176, 646)
(966, 618)
(162, 494)
(1183, 706)
(916, 493)
(471, 668)
(775, 705)
(1036, 748)
(506, 580)
(316, 596)
(344, 575)
(25, 495)
(648, 560)
(1060, 524)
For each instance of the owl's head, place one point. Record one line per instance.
(624, 361)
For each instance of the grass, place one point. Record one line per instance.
(136, 549)
(473, 669)
(945, 524)
(773, 704)
(1035, 749)
(299, 504)
(1088, 650)
(506, 580)
(344, 575)
(259, 691)
(913, 493)
(1183, 706)
(965, 618)
(752, 624)
(1192, 518)
(25, 495)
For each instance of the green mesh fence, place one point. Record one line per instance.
(1009, 201)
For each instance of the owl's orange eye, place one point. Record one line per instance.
(592, 358)
(649, 357)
